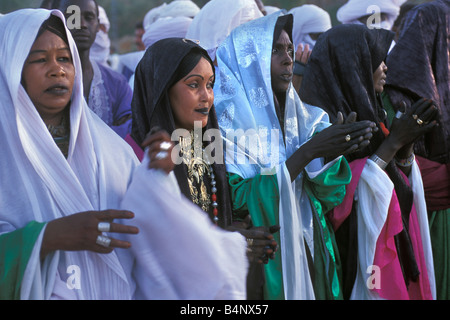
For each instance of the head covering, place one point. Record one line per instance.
(353, 10)
(153, 15)
(245, 103)
(418, 67)
(157, 72)
(168, 27)
(101, 48)
(217, 19)
(48, 186)
(308, 19)
(339, 77)
(180, 8)
(271, 9)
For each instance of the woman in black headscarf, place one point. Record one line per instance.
(347, 73)
(167, 76)
(419, 67)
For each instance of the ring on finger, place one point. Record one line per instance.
(419, 121)
(161, 155)
(348, 138)
(415, 116)
(104, 227)
(165, 146)
(399, 114)
(103, 241)
(249, 242)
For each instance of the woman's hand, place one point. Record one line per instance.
(261, 245)
(80, 232)
(342, 137)
(406, 128)
(159, 150)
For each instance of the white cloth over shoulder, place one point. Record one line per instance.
(40, 184)
(179, 254)
(374, 194)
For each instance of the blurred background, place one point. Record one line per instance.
(125, 14)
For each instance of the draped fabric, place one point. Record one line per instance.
(40, 184)
(419, 67)
(101, 48)
(309, 18)
(245, 105)
(179, 253)
(151, 107)
(217, 19)
(166, 27)
(339, 77)
(353, 10)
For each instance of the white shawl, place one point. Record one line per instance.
(179, 254)
(39, 184)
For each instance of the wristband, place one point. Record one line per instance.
(380, 162)
(406, 162)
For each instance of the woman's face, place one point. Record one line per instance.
(282, 63)
(379, 77)
(48, 75)
(192, 97)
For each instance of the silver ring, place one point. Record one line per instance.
(348, 138)
(104, 227)
(165, 146)
(399, 114)
(103, 241)
(249, 242)
(161, 155)
(415, 116)
(419, 121)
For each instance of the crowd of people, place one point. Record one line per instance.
(244, 152)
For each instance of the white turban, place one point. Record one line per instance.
(356, 9)
(180, 8)
(166, 28)
(217, 19)
(153, 15)
(101, 48)
(308, 19)
(271, 9)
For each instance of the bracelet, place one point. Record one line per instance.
(299, 68)
(406, 162)
(380, 162)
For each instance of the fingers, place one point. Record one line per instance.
(339, 119)
(351, 118)
(303, 53)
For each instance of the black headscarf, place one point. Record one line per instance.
(419, 67)
(165, 63)
(56, 26)
(339, 77)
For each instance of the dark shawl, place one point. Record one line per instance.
(155, 75)
(419, 67)
(339, 77)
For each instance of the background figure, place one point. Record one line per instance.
(382, 220)
(106, 91)
(57, 158)
(282, 154)
(419, 67)
(310, 21)
(101, 48)
(174, 89)
(217, 19)
(360, 12)
(139, 33)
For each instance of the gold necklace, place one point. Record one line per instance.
(198, 170)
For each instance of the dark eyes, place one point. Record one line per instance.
(195, 85)
(43, 60)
